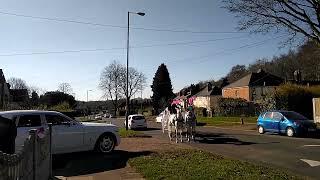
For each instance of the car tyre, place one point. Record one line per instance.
(106, 143)
(261, 130)
(290, 132)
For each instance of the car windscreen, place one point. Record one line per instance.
(294, 116)
(137, 117)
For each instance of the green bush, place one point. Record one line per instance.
(233, 107)
(296, 98)
(62, 107)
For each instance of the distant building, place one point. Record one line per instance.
(253, 87)
(207, 97)
(4, 91)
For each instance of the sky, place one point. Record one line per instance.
(206, 55)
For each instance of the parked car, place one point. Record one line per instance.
(68, 135)
(285, 122)
(159, 118)
(136, 121)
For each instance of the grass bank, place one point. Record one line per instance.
(129, 133)
(225, 121)
(196, 164)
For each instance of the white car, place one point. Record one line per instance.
(68, 135)
(136, 121)
(159, 118)
(98, 117)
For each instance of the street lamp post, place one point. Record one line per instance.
(87, 103)
(127, 77)
(88, 95)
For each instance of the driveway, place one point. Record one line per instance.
(298, 155)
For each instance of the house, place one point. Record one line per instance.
(253, 86)
(4, 91)
(206, 98)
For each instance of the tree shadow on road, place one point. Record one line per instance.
(149, 129)
(219, 138)
(82, 163)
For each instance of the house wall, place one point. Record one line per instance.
(4, 93)
(203, 101)
(237, 92)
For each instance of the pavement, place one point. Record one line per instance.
(297, 155)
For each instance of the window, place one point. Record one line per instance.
(276, 116)
(294, 116)
(267, 115)
(137, 117)
(56, 119)
(29, 121)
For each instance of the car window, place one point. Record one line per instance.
(29, 121)
(137, 117)
(276, 116)
(267, 115)
(294, 116)
(56, 119)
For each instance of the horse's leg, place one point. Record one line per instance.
(193, 131)
(181, 138)
(176, 132)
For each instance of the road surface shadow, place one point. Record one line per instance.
(82, 163)
(149, 129)
(219, 138)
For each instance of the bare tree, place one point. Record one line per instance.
(65, 88)
(17, 83)
(110, 83)
(137, 81)
(113, 82)
(292, 16)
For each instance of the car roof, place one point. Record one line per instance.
(279, 111)
(20, 112)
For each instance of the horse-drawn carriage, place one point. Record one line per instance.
(176, 121)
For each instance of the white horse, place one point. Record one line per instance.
(165, 119)
(176, 125)
(190, 121)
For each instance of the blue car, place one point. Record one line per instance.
(285, 122)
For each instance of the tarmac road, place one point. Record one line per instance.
(298, 155)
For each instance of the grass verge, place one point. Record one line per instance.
(196, 164)
(225, 121)
(129, 133)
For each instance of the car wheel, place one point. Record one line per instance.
(290, 132)
(260, 129)
(105, 144)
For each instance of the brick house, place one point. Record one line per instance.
(4, 91)
(252, 87)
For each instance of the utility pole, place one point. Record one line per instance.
(127, 77)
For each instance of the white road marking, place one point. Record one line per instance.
(312, 163)
(312, 145)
